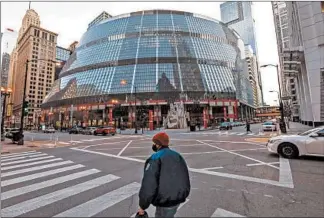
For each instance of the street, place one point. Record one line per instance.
(231, 175)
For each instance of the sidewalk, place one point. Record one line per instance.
(139, 132)
(295, 128)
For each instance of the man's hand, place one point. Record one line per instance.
(141, 211)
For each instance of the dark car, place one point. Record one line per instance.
(225, 126)
(75, 130)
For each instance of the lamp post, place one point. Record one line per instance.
(124, 82)
(282, 120)
(21, 130)
(4, 92)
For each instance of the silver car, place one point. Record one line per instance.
(89, 130)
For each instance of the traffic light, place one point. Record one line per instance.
(25, 105)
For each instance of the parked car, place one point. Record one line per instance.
(310, 143)
(49, 130)
(269, 126)
(89, 130)
(225, 126)
(105, 130)
(8, 132)
(75, 130)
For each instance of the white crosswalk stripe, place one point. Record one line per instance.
(30, 164)
(19, 154)
(75, 179)
(35, 168)
(25, 160)
(19, 158)
(99, 204)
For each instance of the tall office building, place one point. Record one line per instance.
(239, 16)
(304, 59)
(5, 69)
(73, 46)
(288, 83)
(252, 66)
(34, 43)
(103, 16)
(62, 55)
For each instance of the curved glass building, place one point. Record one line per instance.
(158, 55)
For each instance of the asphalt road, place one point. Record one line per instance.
(101, 176)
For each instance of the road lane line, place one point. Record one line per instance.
(212, 168)
(208, 152)
(107, 143)
(19, 158)
(94, 206)
(25, 160)
(259, 164)
(30, 164)
(45, 184)
(124, 148)
(35, 168)
(206, 172)
(242, 133)
(38, 175)
(41, 201)
(241, 155)
(18, 154)
(225, 213)
(285, 176)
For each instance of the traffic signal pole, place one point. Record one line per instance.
(21, 130)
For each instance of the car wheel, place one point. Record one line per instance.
(112, 134)
(288, 150)
(104, 133)
(94, 133)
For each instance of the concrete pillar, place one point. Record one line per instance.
(231, 113)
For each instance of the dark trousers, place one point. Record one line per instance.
(166, 211)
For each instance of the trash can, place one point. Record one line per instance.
(192, 128)
(17, 136)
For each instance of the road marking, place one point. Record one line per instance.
(226, 175)
(25, 160)
(35, 168)
(30, 164)
(269, 196)
(45, 184)
(242, 133)
(19, 158)
(39, 175)
(124, 148)
(77, 142)
(259, 164)
(285, 176)
(232, 142)
(64, 143)
(94, 206)
(209, 152)
(212, 168)
(225, 213)
(18, 154)
(241, 155)
(107, 143)
(41, 201)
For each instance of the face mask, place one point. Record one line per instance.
(154, 148)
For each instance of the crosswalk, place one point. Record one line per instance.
(230, 133)
(34, 181)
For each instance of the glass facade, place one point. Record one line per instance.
(62, 54)
(156, 52)
(238, 15)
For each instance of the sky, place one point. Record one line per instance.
(70, 21)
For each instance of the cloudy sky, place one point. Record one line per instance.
(70, 20)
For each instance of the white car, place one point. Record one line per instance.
(49, 130)
(310, 143)
(269, 126)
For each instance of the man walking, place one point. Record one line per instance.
(166, 181)
(248, 127)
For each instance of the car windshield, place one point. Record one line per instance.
(268, 123)
(309, 131)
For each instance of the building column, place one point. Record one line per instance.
(231, 114)
(110, 116)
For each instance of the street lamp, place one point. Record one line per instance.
(21, 130)
(124, 82)
(282, 121)
(4, 92)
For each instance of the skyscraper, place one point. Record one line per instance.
(288, 83)
(5, 69)
(304, 59)
(239, 16)
(103, 16)
(36, 45)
